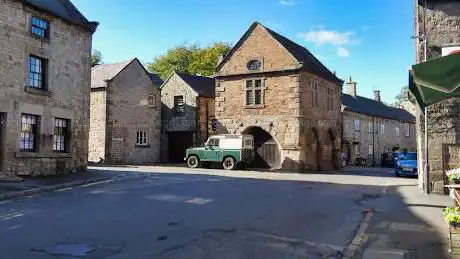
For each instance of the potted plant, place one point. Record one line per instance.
(454, 175)
(452, 216)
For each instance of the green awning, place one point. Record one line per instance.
(435, 80)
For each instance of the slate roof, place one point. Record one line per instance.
(156, 80)
(304, 56)
(103, 72)
(204, 86)
(371, 107)
(63, 9)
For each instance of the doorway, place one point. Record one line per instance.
(267, 150)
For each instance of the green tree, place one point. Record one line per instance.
(191, 59)
(402, 96)
(96, 58)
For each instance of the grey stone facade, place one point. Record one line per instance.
(442, 20)
(196, 118)
(128, 103)
(371, 128)
(66, 53)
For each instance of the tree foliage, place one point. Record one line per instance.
(96, 58)
(402, 96)
(190, 59)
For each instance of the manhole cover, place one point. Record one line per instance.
(72, 249)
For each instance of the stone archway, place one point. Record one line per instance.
(267, 149)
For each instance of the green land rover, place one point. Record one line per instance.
(230, 149)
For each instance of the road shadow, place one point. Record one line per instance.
(325, 223)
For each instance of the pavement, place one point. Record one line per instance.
(14, 186)
(174, 212)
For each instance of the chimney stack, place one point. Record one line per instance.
(377, 95)
(351, 87)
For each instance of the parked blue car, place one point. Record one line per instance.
(406, 164)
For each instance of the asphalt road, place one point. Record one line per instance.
(177, 213)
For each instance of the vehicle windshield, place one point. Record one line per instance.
(409, 156)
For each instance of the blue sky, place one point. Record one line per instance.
(366, 39)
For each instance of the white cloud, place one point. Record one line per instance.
(322, 37)
(343, 52)
(341, 40)
(287, 2)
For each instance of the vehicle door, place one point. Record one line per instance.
(213, 152)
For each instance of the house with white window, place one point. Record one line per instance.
(371, 128)
(45, 80)
(125, 117)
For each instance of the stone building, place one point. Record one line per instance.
(125, 119)
(276, 90)
(371, 127)
(187, 113)
(44, 87)
(440, 22)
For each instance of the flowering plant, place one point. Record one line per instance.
(452, 215)
(453, 175)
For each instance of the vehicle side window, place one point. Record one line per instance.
(214, 142)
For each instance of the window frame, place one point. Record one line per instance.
(314, 92)
(370, 126)
(397, 131)
(371, 150)
(357, 150)
(41, 75)
(176, 107)
(142, 138)
(46, 31)
(357, 125)
(212, 142)
(34, 131)
(407, 129)
(151, 100)
(330, 99)
(253, 89)
(65, 143)
(382, 128)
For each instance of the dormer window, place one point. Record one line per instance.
(254, 65)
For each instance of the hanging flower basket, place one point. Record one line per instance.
(453, 175)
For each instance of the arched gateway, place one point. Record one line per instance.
(268, 153)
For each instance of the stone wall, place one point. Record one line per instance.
(97, 129)
(175, 86)
(68, 53)
(442, 20)
(186, 122)
(129, 112)
(381, 141)
(206, 112)
(320, 133)
(286, 113)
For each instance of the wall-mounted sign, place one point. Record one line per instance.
(214, 124)
(450, 50)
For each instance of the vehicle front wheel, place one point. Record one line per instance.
(229, 163)
(397, 173)
(193, 162)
